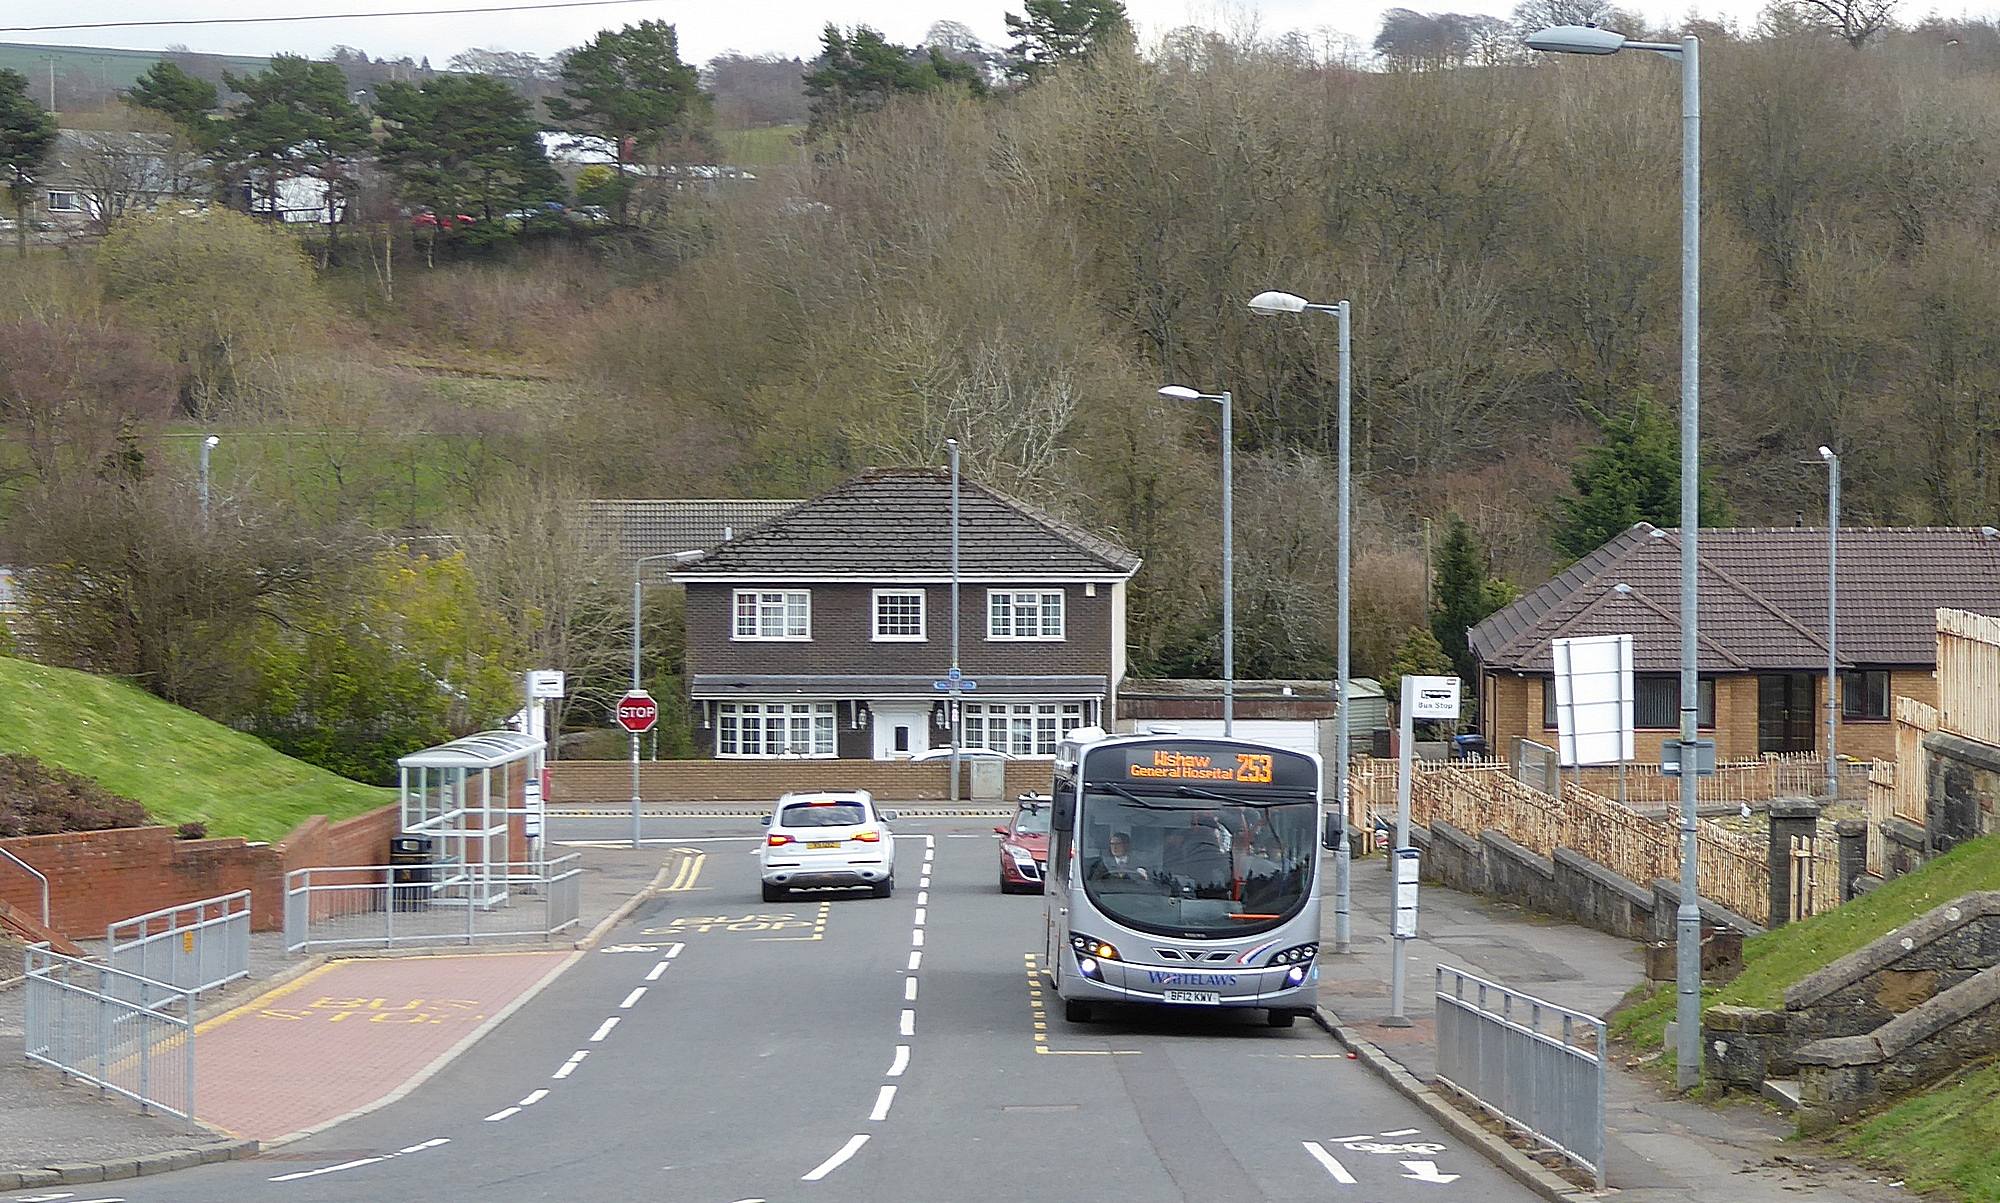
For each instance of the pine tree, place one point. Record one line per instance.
(630, 87)
(27, 135)
(858, 72)
(297, 121)
(1060, 31)
(464, 144)
(181, 98)
(1634, 476)
(1466, 593)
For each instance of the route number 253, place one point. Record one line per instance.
(1253, 769)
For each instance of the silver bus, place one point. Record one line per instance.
(1183, 872)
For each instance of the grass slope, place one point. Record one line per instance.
(180, 766)
(1776, 959)
(768, 146)
(1940, 1140)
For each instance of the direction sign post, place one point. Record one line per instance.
(1430, 698)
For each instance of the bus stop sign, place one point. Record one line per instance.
(637, 712)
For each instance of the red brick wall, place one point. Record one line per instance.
(573, 781)
(99, 877)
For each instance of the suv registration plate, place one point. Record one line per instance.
(814, 845)
(1200, 997)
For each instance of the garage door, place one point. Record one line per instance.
(1300, 735)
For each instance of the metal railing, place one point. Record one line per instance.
(1531, 1064)
(385, 906)
(38, 877)
(193, 947)
(122, 1033)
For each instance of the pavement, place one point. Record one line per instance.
(44, 1121)
(842, 1048)
(1660, 1148)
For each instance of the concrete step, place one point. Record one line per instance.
(1782, 1091)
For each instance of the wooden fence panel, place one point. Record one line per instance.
(1968, 675)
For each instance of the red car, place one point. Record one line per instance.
(1024, 846)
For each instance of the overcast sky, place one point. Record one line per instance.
(707, 27)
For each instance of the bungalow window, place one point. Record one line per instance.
(64, 202)
(1864, 694)
(1656, 702)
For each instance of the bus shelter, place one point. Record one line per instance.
(470, 796)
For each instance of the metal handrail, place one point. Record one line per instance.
(38, 876)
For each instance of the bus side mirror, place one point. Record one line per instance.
(1331, 838)
(887, 816)
(766, 820)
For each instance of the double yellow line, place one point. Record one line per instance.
(688, 873)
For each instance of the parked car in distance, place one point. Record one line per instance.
(1024, 846)
(963, 754)
(827, 839)
(428, 220)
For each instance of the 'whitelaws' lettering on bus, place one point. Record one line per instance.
(1162, 978)
(1170, 765)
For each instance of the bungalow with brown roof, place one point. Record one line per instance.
(1763, 639)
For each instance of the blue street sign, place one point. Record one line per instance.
(964, 684)
(954, 673)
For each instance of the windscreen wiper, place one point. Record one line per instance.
(1129, 796)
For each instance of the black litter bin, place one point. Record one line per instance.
(412, 871)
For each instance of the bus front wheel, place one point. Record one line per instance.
(1075, 1010)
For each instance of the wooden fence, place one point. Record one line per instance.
(1968, 675)
(1733, 869)
(1787, 775)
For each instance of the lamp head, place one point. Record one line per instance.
(1180, 393)
(1577, 39)
(211, 441)
(1826, 453)
(1272, 303)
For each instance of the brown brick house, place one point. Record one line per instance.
(1762, 654)
(823, 632)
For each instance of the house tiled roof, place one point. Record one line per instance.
(635, 527)
(1763, 597)
(897, 523)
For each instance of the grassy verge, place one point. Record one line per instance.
(1776, 959)
(1941, 1140)
(771, 146)
(178, 765)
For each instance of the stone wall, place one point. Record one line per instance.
(1843, 1077)
(1963, 790)
(1859, 994)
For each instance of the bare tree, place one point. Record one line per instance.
(1852, 21)
(121, 172)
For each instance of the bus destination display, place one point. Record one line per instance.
(1210, 764)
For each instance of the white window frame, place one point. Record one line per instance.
(1047, 603)
(762, 607)
(776, 730)
(875, 599)
(75, 204)
(1021, 726)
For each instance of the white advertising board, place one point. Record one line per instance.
(1593, 680)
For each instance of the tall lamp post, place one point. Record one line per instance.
(1832, 621)
(955, 696)
(1272, 304)
(1178, 393)
(638, 587)
(207, 445)
(1588, 39)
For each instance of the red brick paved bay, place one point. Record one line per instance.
(348, 1034)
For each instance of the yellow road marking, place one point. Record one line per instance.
(1040, 1012)
(819, 927)
(258, 1003)
(688, 873)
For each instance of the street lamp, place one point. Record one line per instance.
(1832, 627)
(1276, 304)
(207, 445)
(1178, 393)
(638, 587)
(1588, 39)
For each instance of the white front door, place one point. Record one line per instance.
(901, 730)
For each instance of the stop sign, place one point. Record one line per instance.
(637, 712)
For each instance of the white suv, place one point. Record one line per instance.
(828, 839)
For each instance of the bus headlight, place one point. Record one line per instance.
(1299, 954)
(1091, 946)
(1295, 976)
(1087, 966)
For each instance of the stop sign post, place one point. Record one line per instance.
(637, 712)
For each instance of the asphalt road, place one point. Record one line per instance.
(838, 1048)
